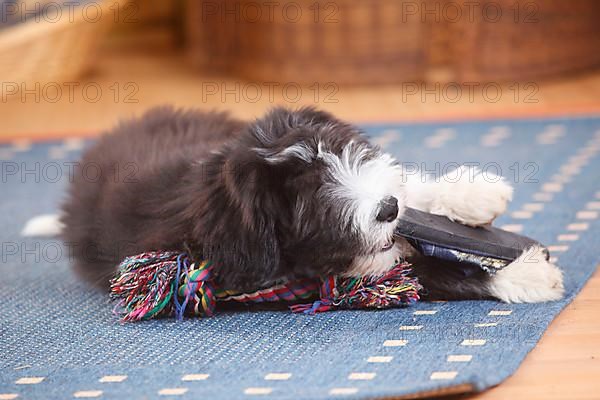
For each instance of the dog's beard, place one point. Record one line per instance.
(359, 183)
(375, 264)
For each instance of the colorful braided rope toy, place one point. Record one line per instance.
(169, 283)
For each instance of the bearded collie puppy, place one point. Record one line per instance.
(295, 193)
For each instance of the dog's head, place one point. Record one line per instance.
(310, 196)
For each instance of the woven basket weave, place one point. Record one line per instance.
(545, 39)
(51, 51)
(375, 41)
(345, 42)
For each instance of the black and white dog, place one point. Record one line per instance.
(293, 194)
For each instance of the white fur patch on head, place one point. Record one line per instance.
(298, 150)
(360, 181)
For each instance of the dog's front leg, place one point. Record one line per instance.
(473, 198)
(465, 195)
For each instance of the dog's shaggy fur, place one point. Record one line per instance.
(293, 194)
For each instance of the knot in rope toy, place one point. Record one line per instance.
(168, 283)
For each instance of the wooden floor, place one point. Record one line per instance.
(566, 363)
(125, 85)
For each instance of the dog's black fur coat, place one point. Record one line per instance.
(177, 179)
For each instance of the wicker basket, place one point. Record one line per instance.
(545, 39)
(51, 51)
(346, 41)
(373, 41)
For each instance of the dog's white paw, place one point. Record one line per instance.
(528, 279)
(471, 197)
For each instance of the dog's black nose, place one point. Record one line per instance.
(388, 209)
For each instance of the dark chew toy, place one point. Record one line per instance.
(487, 247)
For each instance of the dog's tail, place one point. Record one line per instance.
(45, 225)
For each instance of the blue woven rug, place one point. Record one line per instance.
(59, 339)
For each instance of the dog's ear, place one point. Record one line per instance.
(239, 231)
(250, 206)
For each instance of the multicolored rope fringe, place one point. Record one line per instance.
(169, 283)
(394, 289)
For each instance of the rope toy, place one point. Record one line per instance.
(155, 284)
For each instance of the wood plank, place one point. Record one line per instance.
(132, 82)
